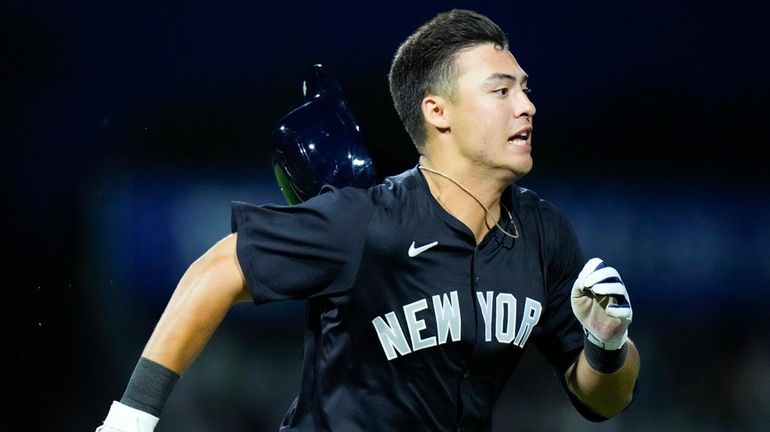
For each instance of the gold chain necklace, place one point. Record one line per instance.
(486, 211)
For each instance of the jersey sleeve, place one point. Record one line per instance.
(305, 250)
(560, 339)
(561, 332)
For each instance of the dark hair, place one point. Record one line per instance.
(425, 63)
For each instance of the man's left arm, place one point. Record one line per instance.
(604, 375)
(606, 394)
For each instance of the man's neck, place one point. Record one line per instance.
(465, 192)
(482, 184)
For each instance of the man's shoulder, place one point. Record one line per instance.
(529, 202)
(400, 183)
(389, 191)
(527, 199)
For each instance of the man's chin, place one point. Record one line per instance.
(519, 169)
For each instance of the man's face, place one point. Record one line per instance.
(491, 118)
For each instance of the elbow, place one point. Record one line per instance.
(606, 395)
(605, 399)
(608, 404)
(613, 408)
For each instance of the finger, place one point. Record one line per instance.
(605, 274)
(609, 288)
(623, 312)
(592, 265)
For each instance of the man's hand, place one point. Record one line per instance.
(123, 418)
(600, 302)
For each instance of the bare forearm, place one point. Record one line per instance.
(607, 394)
(200, 301)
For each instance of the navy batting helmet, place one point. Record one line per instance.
(320, 143)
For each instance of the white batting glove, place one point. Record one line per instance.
(600, 302)
(123, 418)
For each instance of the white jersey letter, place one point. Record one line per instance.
(505, 317)
(485, 304)
(391, 336)
(416, 326)
(447, 317)
(532, 309)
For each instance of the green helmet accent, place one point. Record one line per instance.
(285, 185)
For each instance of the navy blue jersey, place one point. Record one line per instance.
(410, 324)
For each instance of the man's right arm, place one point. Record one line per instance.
(204, 295)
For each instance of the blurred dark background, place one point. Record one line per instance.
(127, 128)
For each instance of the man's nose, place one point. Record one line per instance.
(524, 106)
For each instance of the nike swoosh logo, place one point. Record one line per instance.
(414, 251)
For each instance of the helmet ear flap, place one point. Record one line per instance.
(319, 143)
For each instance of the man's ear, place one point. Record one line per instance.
(436, 113)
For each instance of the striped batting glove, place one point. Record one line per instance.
(600, 302)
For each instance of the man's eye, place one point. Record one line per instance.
(502, 91)
(527, 90)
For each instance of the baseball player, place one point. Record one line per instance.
(422, 291)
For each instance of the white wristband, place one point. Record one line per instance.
(610, 345)
(126, 419)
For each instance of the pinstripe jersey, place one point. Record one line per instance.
(411, 325)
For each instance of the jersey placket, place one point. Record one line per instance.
(464, 386)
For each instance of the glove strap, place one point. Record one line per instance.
(604, 360)
(607, 345)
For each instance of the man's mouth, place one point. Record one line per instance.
(521, 137)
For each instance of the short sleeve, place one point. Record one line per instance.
(560, 338)
(561, 333)
(304, 250)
